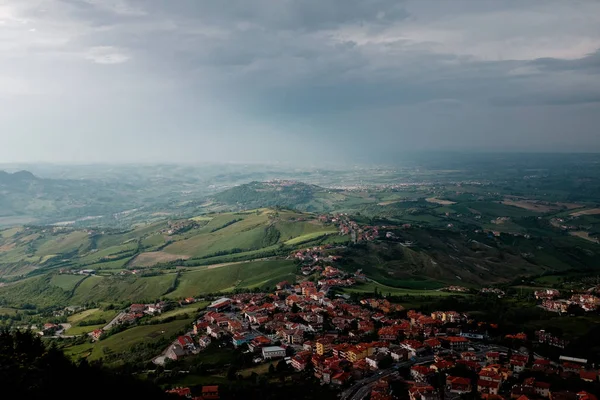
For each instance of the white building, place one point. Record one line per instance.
(273, 352)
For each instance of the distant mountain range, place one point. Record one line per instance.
(22, 194)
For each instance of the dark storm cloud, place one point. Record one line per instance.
(305, 15)
(253, 77)
(589, 63)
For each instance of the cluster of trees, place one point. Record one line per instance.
(30, 370)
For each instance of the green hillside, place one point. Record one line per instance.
(229, 277)
(290, 194)
(62, 290)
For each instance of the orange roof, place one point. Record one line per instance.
(588, 375)
(210, 389)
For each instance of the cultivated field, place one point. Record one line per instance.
(589, 211)
(439, 201)
(151, 258)
(584, 235)
(227, 278)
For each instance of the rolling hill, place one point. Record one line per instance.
(288, 194)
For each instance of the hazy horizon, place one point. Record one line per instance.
(314, 82)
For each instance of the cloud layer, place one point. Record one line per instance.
(281, 80)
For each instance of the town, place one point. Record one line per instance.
(365, 348)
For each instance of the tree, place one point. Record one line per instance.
(281, 366)
(385, 362)
(232, 372)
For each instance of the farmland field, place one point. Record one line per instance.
(310, 236)
(154, 257)
(124, 341)
(66, 282)
(64, 244)
(127, 288)
(370, 287)
(440, 201)
(190, 309)
(590, 211)
(242, 275)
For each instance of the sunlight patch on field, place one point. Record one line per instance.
(439, 201)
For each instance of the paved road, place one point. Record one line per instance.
(362, 388)
(114, 321)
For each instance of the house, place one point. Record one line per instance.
(399, 354)
(200, 327)
(324, 346)
(468, 356)
(175, 352)
(433, 343)
(341, 378)
(419, 372)
(571, 367)
(259, 342)
(421, 391)
(239, 339)
(283, 285)
(488, 387)
(186, 342)
(455, 342)
(220, 305)
(96, 334)
(300, 360)
(356, 353)
(441, 365)
(522, 392)
(181, 391)
(374, 360)
(414, 347)
(542, 389)
(204, 341)
(210, 392)
(137, 308)
(215, 331)
(517, 366)
(492, 357)
(458, 385)
(588, 376)
(273, 352)
(586, 396)
(489, 381)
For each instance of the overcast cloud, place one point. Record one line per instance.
(294, 80)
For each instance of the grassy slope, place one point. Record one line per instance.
(123, 341)
(247, 275)
(66, 282)
(254, 231)
(64, 244)
(370, 288)
(123, 288)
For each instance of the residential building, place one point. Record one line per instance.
(458, 385)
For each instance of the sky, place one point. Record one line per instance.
(85, 81)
